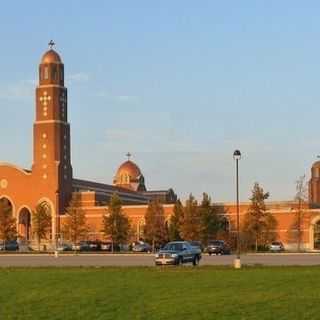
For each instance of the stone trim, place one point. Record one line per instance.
(6, 164)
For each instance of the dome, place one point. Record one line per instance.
(316, 164)
(129, 176)
(51, 56)
(129, 168)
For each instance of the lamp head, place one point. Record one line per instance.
(237, 155)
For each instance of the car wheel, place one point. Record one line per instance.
(195, 261)
(210, 253)
(179, 261)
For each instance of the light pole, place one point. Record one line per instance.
(237, 157)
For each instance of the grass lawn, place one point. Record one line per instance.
(160, 293)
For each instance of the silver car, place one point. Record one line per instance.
(276, 246)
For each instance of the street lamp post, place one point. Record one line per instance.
(237, 157)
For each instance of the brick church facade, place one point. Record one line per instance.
(50, 182)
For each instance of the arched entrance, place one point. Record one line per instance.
(316, 236)
(46, 218)
(6, 205)
(24, 224)
(6, 211)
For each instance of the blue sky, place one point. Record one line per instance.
(179, 84)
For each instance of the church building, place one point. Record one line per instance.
(50, 182)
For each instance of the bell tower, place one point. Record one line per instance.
(314, 185)
(51, 132)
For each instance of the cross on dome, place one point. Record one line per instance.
(129, 155)
(51, 44)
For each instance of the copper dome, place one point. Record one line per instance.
(51, 56)
(316, 164)
(129, 168)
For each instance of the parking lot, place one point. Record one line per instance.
(123, 260)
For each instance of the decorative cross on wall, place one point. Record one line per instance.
(45, 98)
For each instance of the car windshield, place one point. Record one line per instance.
(173, 246)
(216, 243)
(276, 243)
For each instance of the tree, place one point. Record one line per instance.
(8, 230)
(259, 223)
(190, 228)
(300, 199)
(116, 224)
(155, 229)
(176, 221)
(210, 221)
(75, 227)
(41, 222)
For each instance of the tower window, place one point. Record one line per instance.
(61, 73)
(54, 73)
(46, 73)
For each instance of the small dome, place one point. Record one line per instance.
(129, 168)
(51, 57)
(316, 164)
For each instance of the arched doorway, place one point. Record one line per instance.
(6, 211)
(45, 208)
(316, 236)
(25, 224)
(6, 205)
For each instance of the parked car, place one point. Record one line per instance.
(64, 247)
(217, 247)
(197, 244)
(178, 252)
(81, 246)
(11, 245)
(142, 247)
(106, 246)
(94, 245)
(276, 246)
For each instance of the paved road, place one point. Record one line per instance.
(148, 260)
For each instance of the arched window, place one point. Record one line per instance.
(24, 228)
(6, 209)
(54, 73)
(6, 205)
(40, 73)
(45, 206)
(61, 73)
(46, 73)
(316, 235)
(44, 217)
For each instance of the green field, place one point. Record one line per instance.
(160, 293)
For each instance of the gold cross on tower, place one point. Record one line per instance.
(45, 98)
